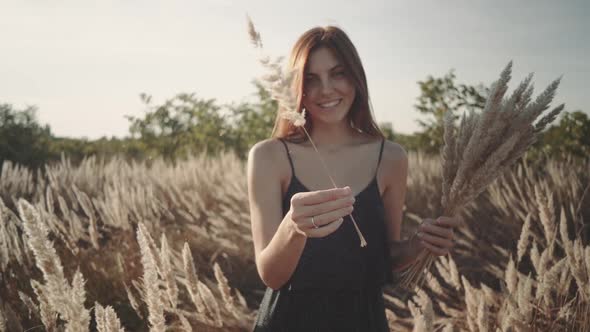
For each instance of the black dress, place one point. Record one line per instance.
(337, 285)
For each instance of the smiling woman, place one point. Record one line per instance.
(328, 91)
(329, 75)
(306, 246)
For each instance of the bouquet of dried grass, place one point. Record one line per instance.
(483, 147)
(279, 85)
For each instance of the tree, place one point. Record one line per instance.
(181, 126)
(570, 137)
(440, 95)
(22, 139)
(253, 122)
(103, 148)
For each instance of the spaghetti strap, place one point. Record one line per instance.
(380, 154)
(288, 156)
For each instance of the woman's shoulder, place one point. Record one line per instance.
(391, 150)
(266, 149)
(266, 163)
(394, 150)
(394, 155)
(394, 163)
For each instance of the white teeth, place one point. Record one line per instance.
(331, 104)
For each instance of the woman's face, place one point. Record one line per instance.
(328, 90)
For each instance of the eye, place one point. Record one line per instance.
(309, 77)
(339, 73)
(310, 80)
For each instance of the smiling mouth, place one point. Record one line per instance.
(331, 104)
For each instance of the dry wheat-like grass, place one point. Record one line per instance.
(2, 321)
(483, 147)
(106, 319)
(67, 300)
(210, 212)
(48, 315)
(151, 282)
(168, 273)
(212, 194)
(12, 246)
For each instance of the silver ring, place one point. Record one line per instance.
(313, 223)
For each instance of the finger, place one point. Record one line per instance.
(326, 207)
(437, 230)
(320, 196)
(435, 240)
(331, 221)
(428, 221)
(324, 230)
(434, 249)
(308, 224)
(425, 221)
(447, 222)
(326, 218)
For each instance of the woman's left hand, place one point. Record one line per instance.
(437, 235)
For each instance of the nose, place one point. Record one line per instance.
(327, 86)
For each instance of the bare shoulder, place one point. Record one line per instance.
(394, 163)
(266, 150)
(265, 162)
(394, 152)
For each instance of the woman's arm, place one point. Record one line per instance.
(435, 235)
(404, 253)
(277, 245)
(395, 174)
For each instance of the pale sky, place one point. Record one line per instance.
(84, 63)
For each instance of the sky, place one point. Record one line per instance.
(83, 63)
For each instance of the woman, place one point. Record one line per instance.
(307, 250)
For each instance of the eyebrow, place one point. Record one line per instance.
(338, 66)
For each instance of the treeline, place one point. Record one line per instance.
(188, 124)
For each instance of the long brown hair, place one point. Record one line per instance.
(333, 38)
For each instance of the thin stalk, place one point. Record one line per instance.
(362, 238)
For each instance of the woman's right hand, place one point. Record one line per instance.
(327, 207)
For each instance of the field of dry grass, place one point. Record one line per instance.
(105, 246)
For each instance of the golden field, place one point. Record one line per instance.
(168, 247)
